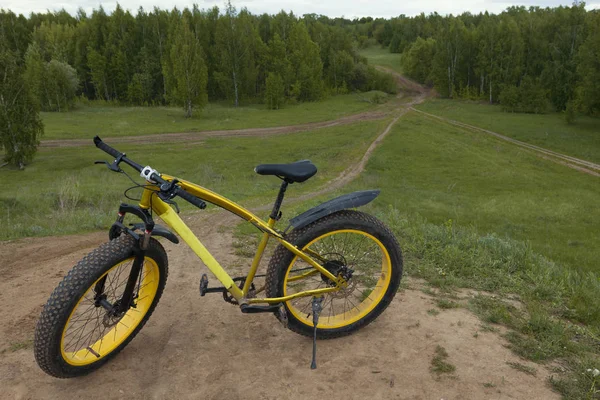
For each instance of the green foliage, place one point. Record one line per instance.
(588, 69)
(570, 113)
(139, 90)
(274, 92)
(478, 56)
(509, 98)
(125, 58)
(35, 73)
(307, 67)
(340, 70)
(53, 84)
(278, 62)
(189, 71)
(417, 60)
(61, 86)
(529, 97)
(20, 124)
(239, 47)
(395, 44)
(56, 41)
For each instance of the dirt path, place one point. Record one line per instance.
(197, 136)
(575, 163)
(404, 84)
(197, 347)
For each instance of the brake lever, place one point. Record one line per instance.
(173, 203)
(166, 193)
(113, 167)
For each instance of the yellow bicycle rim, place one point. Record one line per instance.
(102, 339)
(350, 304)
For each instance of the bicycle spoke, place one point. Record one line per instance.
(354, 250)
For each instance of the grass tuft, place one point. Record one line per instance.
(439, 365)
(523, 368)
(446, 304)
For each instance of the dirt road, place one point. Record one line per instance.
(197, 136)
(575, 163)
(197, 347)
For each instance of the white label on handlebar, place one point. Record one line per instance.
(147, 172)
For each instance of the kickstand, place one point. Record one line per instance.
(316, 310)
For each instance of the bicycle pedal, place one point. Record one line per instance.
(203, 285)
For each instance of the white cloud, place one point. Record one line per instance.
(332, 8)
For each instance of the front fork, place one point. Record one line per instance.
(122, 305)
(126, 301)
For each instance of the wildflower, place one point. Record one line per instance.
(594, 371)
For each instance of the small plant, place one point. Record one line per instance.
(439, 365)
(69, 194)
(378, 98)
(446, 304)
(21, 345)
(523, 368)
(489, 385)
(488, 328)
(433, 311)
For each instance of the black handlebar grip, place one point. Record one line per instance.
(106, 148)
(190, 198)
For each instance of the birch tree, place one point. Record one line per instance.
(189, 70)
(20, 124)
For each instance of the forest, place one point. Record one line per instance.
(527, 59)
(182, 57)
(532, 60)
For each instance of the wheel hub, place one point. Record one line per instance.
(337, 268)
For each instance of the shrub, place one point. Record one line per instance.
(274, 93)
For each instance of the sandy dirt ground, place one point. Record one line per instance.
(201, 347)
(195, 347)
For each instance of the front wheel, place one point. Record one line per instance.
(352, 244)
(76, 334)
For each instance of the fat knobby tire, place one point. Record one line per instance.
(346, 219)
(64, 298)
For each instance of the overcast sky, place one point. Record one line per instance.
(332, 8)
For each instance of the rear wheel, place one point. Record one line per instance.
(75, 333)
(352, 244)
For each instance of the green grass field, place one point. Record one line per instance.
(581, 139)
(445, 173)
(63, 192)
(378, 56)
(107, 121)
(471, 211)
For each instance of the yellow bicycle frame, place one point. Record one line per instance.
(172, 219)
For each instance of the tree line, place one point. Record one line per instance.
(527, 59)
(185, 57)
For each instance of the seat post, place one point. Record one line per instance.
(275, 212)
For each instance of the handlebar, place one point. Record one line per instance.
(119, 157)
(166, 187)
